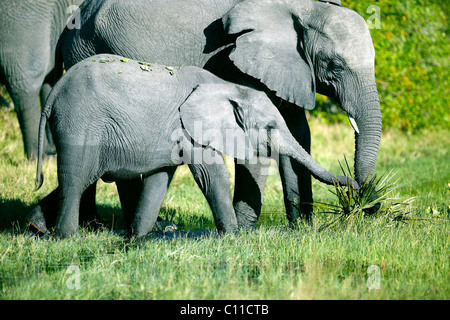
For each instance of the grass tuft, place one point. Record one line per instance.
(378, 199)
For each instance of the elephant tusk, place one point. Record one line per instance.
(353, 123)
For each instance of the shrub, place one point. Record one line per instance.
(412, 59)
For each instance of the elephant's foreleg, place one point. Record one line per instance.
(154, 188)
(296, 179)
(297, 196)
(248, 193)
(213, 181)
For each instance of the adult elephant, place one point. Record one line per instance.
(29, 32)
(290, 49)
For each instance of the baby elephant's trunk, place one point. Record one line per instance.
(290, 147)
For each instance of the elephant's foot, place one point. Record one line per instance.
(299, 215)
(306, 214)
(301, 221)
(246, 216)
(162, 225)
(36, 221)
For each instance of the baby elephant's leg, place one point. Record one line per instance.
(44, 214)
(153, 191)
(129, 193)
(75, 175)
(71, 190)
(213, 181)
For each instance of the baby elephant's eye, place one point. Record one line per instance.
(271, 125)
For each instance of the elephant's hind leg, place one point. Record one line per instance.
(67, 222)
(76, 172)
(44, 214)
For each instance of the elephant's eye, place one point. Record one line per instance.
(238, 115)
(335, 66)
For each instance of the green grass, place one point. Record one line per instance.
(273, 262)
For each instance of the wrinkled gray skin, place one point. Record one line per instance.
(289, 49)
(116, 121)
(29, 32)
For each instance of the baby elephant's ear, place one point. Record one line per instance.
(213, 118)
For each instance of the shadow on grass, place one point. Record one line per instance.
(182, 234)
(111, 217)
(13, 213)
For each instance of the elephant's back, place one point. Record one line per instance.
(138, 81)
(165, 32)
(116, 96)
(114, 78)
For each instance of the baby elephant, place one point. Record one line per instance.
(119, 119)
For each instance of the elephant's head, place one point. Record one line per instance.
(299, 47)
(243, 123)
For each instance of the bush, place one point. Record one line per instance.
(412, 59)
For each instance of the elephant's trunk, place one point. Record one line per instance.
(288, 146)
(367, 141)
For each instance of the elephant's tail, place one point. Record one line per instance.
(39, 176)
(45, 115)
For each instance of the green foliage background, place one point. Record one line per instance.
(412, 60)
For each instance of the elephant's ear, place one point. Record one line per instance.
(271, 49)
(212, 117)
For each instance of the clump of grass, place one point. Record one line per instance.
(376, 200)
